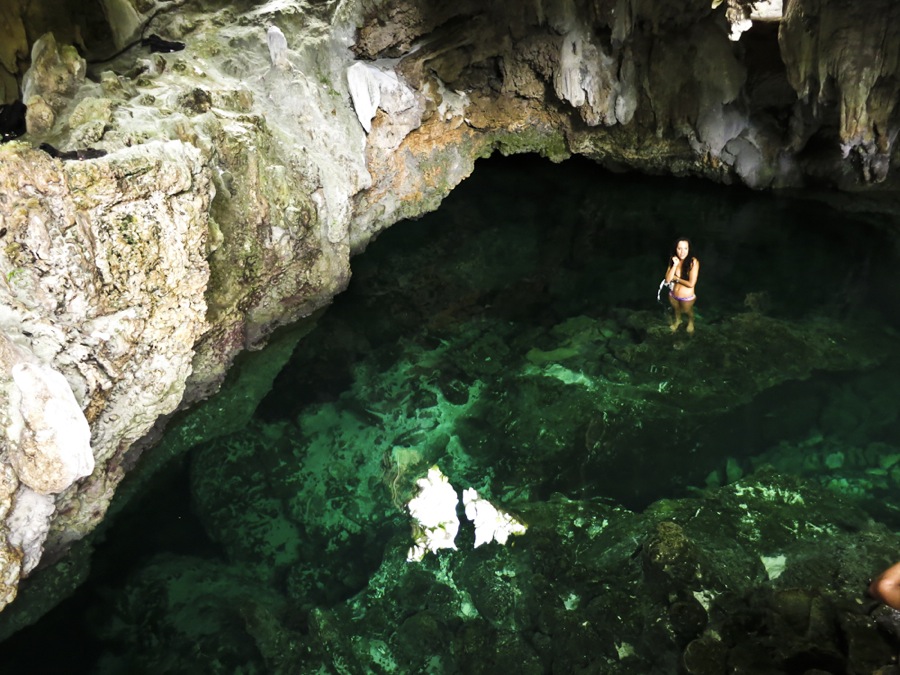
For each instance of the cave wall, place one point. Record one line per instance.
(664, 87)
(216, 193)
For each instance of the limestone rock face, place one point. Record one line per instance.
(241, 173)
(49, 439)
(839, 58)
(55, 74)
(28, 525)
(723, 96)
(102, 261)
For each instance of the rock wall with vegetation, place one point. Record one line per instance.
(165, 211)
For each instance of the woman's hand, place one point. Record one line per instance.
(674, 260)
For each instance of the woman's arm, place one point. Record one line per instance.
(670, 273)
(695, 272)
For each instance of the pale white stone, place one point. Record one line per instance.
(774, 565)
(365, 91)
(453, 103)
(767, 10)
(372, 87)
(568, 82)
(278, 48)
(29, 523)
(705, 598)
(738, 28)
(624, 650)
(434, 512)
(717, 125)
(491, 523)
(748, 161)
(49, 437)
(54, 73)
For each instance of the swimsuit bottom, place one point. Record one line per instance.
(672, 295)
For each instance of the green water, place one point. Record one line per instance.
(514, 339)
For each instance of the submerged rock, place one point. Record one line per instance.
(681, 585)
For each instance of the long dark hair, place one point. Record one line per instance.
(688, 259)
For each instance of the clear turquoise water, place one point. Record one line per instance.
(515, 339)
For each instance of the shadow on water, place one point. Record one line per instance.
(161, 522)
(514, 337)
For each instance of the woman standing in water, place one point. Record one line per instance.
(682, 273)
